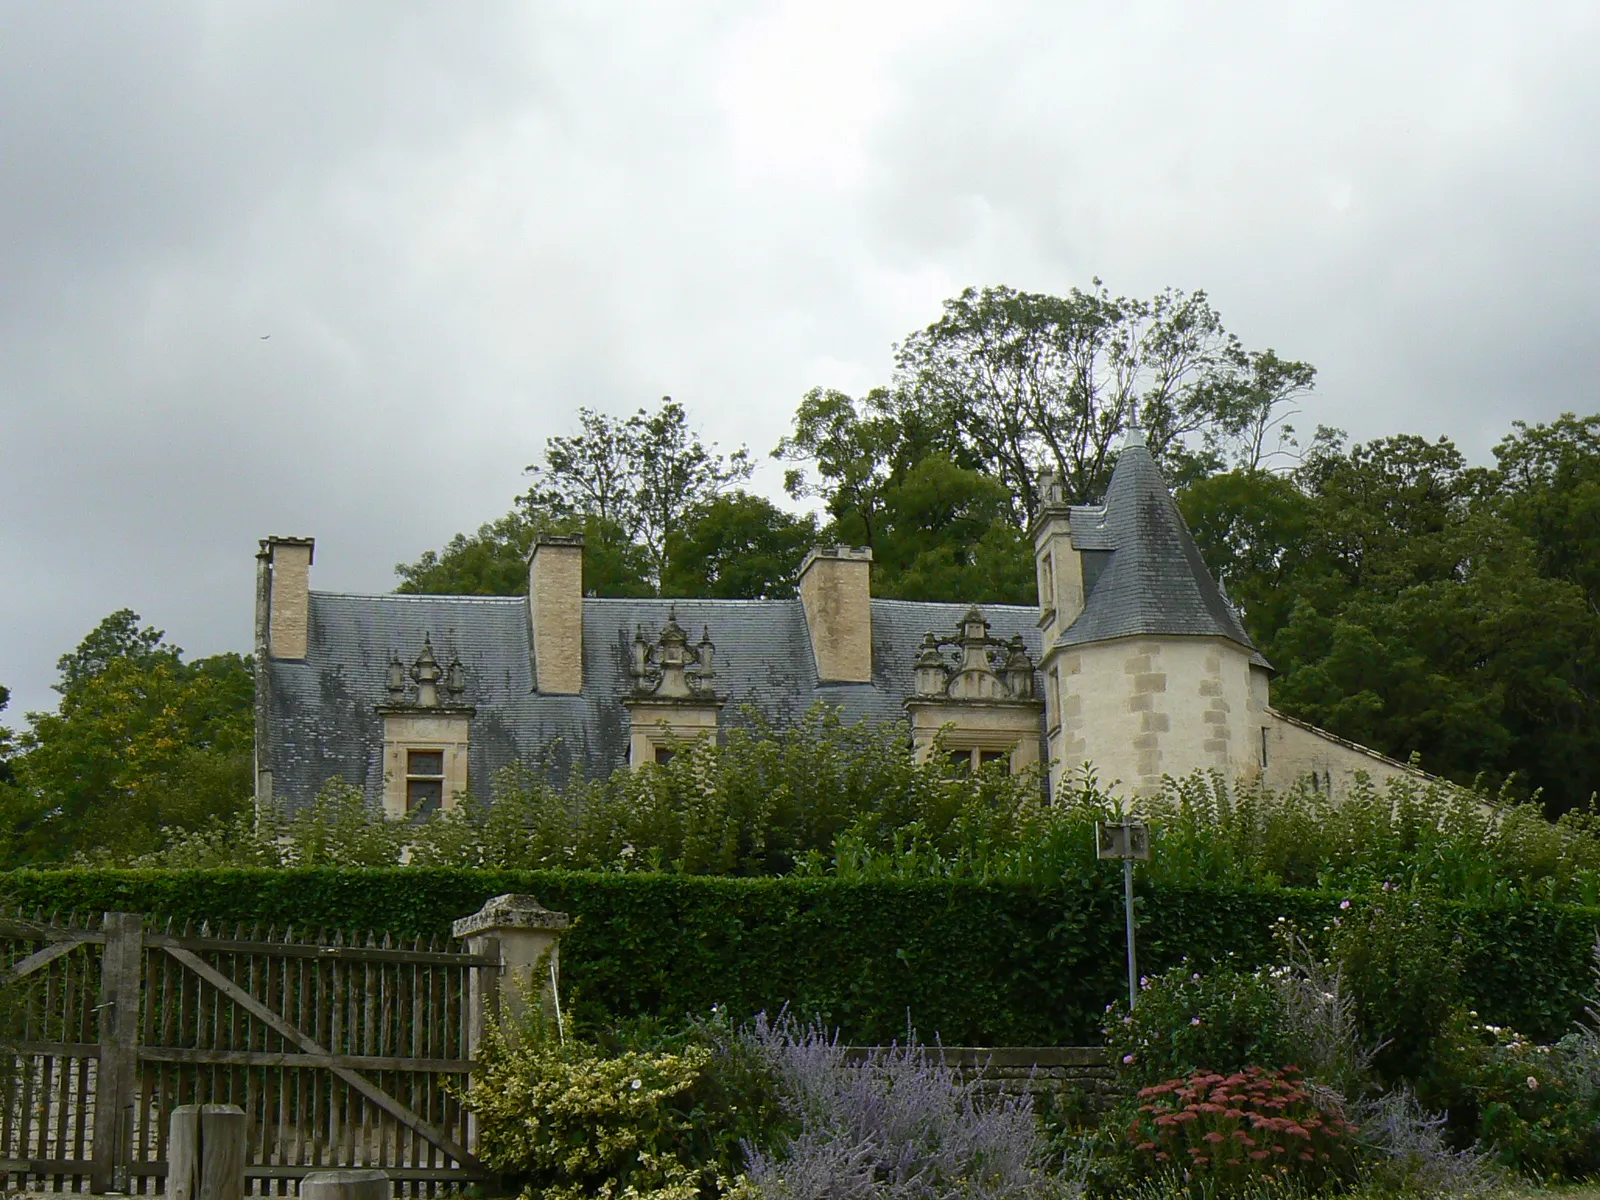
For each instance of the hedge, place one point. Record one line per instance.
(971, 963)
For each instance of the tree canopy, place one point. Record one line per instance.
(143, 743)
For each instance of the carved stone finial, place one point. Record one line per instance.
(395, 685)
(670, 667)
(455, 679)
(986, 668)
(427, 673)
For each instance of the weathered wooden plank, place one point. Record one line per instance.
(290, 1058)
(120, 971)
(45, 931)
(43, 958)
(443, 958)
(353, 1078)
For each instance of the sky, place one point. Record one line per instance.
(338, 269)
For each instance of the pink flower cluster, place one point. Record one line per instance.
(1252, 1123)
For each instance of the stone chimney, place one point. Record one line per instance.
(283, 595)
(836, 591)
(555, 613)
(1058, 562)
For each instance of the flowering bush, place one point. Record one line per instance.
(1535, 1106)
(569, 1120)
(1238, 1130)
(900, 1125)
(1187, 1022)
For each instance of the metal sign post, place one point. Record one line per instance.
(1127, 840)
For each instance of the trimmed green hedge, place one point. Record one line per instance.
(986, 964)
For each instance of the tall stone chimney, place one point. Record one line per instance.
(555, 613)
(836, 591)
(285, 593)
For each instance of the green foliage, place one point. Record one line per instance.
(494, 561)
(1536, 1106)
(1188, 1023)
(1420, 605)
(641, 475)
(563, 1120)
(737, 546)
(1245, 1128)
(143, 745)
(1022, 378)
(1404, 967)
(974, 963)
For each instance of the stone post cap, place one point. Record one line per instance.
(510, 912)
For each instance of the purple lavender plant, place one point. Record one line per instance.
(901, 1125)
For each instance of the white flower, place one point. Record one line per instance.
(1533, 1083)
(637, 1084)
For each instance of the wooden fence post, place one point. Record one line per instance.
(206, 1152)
(118, 1069)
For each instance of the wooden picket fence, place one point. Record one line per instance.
(343, 1052)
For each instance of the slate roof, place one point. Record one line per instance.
(1143, 573)
(324, 723)
(1143, 576)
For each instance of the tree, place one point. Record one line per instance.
(738, 546)
(896, 479)
(143, 742)
(641, 475)
(1025, 379)
(1550, 489)
(7, 741)
(494, 561)
(1407, 605)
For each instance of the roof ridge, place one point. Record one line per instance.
(414, 598)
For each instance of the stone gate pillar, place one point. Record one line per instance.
(526, 938)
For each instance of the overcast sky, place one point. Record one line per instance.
(459, 222)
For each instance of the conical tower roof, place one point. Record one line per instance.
(1155, 582)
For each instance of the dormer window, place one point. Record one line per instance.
(974, 697)
(425, 733)
(424, 780)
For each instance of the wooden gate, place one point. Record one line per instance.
(342, 1052)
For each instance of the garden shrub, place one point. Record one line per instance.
(1406, 1151)
(900, 1125)
(1534, 1106)
(1403, 965)
(564, 1119)
(1248, 1127)
(1188, 1022)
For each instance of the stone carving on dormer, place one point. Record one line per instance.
(985, 668)
(431, 679)
(974, 698)
(670, 668)
(672, 701)
(426, 735)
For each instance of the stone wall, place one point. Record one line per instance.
(1140, 708)
(1296, 751)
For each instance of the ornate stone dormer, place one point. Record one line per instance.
(425, 736)
(979, 691)
(673, 700)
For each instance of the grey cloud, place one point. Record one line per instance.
(459, 224)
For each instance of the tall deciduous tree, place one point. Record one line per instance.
(1025, 379)
(142, 741)
(642, 475)
(737, 546)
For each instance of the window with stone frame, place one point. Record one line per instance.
(424, 781)
(969, 759)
